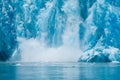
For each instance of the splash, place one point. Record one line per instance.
(33, 50)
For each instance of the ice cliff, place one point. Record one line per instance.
(89, 30)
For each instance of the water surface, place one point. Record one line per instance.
(59, 71)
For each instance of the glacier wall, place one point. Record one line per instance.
(60, 30)
(8, 42)
(101, 32)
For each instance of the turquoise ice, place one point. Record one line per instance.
(74, 30)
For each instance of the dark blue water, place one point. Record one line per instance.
(59, 71)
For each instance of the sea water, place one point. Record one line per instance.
(59, 71)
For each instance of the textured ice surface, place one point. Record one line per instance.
(8, 42)
(101, 29)
(63, 29)
(109, 54)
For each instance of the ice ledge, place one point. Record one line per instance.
(109, 54)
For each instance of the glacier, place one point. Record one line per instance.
(60, 30)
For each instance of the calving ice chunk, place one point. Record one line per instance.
(60, 30)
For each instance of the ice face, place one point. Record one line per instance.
(101, 29)
(8, 42)
(78, 27)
